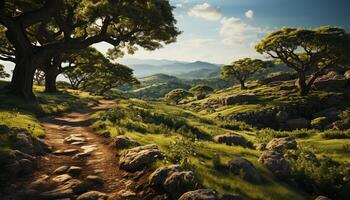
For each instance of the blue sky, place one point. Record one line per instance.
(221, 31)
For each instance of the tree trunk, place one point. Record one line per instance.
(22, 79)
(50, 81)
(304, 89)
(243, 85)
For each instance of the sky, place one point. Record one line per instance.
(221, 31)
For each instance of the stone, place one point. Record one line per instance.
(89, 148)
(74, 138)
(66, 189)
(231, 139)
(281, 116)
(124, 142)
(95, 180)
(319, 123)
(347, 75)
(331, 81)
(322, 198)
(138, 158)
(93, 195)
(127, 194)
(245, 168)
(261, 147)
(66, 152)
(27, 166)
(180, 182)
(238, 99)
(201, 194)
(81, 156)
(41, 184)
(299, 123)
(330, 113)
(62, 178)
(158, 177)
(281, 144)
(276, 163)
(74, 171)
(61, 170)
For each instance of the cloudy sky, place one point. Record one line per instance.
(223, 30)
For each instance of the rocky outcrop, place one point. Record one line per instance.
(124, 142)
(140, 157)
(298, 123)
(331, 81)
(231, 139)
(281, 144)
(276, 163)
(173, 180)
(208, 194)
(238, 99)
(241, 166)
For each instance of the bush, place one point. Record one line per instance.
(236, 126)
(336, 134)
(319, 123)
(324, 176)
(265, 135)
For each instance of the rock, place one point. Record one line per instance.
(158, 177)
(62, 178)
(41, 184)
(93, 195)
(347, 75)
(138, 158)
(61, 170)
(322, 198)
(26, 165)
(261, 147)
(241, 98)
(95, 180)
(278, 76)
(180, 182)
(299, 123)
(89, 148)
(123, 142)
(66, 189)
(74, 170)
(231, 139)
(281, 116)
(330, 113)
(208, 194)
(66, 152)
(14, 163)
(81, 156)
(276, 163)
(241, 166)
(124, 194)
(281, 144)
(319, 123)
(74, 138)
(331, 81)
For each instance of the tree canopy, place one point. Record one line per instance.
(175, 96)
(310, 52)
(242, 69)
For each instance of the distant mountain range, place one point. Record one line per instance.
(144, 68)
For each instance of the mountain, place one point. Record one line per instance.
(144, 68)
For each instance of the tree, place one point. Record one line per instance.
(175, 96)
(201, 90)
(242, 69)
(39, 77)
(3, 74)
(310, 52)
(78, 24)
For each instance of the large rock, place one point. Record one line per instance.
(140, 157)
(276, 163)
(231, 139)
(14, 163)
(241, 165)
(347, 74)
(173, 180)
(298, 123)
(280, 144)
(330, 113)
(281, 116)
(241, 98)
(330, 81)
(278, 76)
(123, 142)
(93, 195)
(208, 194)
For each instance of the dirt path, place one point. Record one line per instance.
(75, 144)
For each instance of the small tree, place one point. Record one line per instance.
(175, 96)
(242, 69)
(201, 90)
(3, 74)
(310, 52)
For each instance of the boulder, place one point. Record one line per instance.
(123, 142)
(74, 170)
(173, 180)
(281, 116)
(347, 75)
(276, 163)
(208, 194)
(278, 76)
(138, 158)
(330, 81)
(241, 98)
(61, 170)
(281, 144)
(330, 113)
(322, 198)
(298, 123)
(319, 123)
(241, 166)
(65, 189)
(231, 139)
(62, 178)
(93, 195)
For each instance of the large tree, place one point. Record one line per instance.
(310, 52)
(77, 24)
(242, 69)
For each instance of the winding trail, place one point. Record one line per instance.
(94, 154)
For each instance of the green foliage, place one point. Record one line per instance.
(235, 125)
(336, 134)
(324, 176)
(266, 135)
(308, 51)
(177, 95)
(242, 69)
(199, 90)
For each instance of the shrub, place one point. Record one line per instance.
(265, 135)
(319, 123)
(236, 126)
(336, 134)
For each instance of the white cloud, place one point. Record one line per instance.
(205, 11)
(234, 31)
(249, 14)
